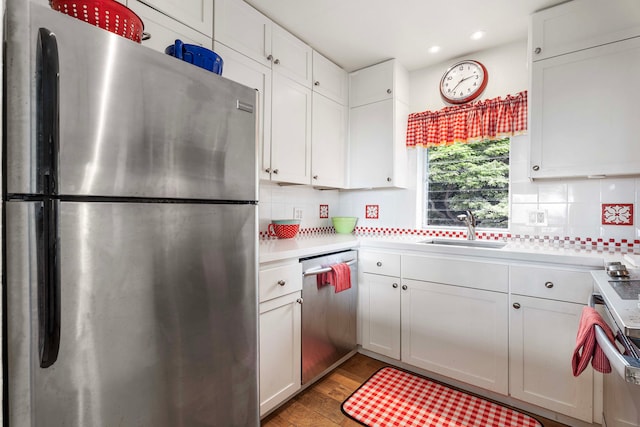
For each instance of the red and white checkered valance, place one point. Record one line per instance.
(486, 119)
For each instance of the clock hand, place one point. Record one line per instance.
(466, 78)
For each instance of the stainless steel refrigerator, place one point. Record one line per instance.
(130, 234)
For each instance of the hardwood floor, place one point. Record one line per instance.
(319, 405)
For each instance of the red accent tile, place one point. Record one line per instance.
(617, 214)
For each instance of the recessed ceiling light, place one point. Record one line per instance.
(434, 49)
(477, 35)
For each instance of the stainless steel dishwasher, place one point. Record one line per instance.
(328, 318)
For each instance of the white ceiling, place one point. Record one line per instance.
(358, 33)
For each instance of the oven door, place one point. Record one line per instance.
(621, 394)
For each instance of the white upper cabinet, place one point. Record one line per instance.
(577, 25)
(328, 128)
(329, 79)
(582, 103)
(387, 80)
(290, 56)
(197, 14)
(164, 31)
(245, 30)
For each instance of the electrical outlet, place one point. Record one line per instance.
(297, 213)
(537, 217)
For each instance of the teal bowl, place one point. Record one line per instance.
(285, 221)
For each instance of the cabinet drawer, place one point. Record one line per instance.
(551, 283)
(279, 280)
(470, 274)
(387, 264)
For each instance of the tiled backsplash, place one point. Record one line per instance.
(575, 210)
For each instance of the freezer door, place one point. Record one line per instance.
(131, 121)
(158, 322)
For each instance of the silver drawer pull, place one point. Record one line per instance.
(516, 305)
(395, 285)
(548, 285)
(379, 264)
(299, 301)
(313, 272)
(405, 287)
(281, 282)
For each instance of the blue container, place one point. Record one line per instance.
(196, 55)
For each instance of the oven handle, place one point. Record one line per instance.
(625, 366)
(325, 269)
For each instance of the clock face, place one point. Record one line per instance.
(463, 82)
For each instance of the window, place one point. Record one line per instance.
(473, 176)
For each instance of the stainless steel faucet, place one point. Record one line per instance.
(470, 221)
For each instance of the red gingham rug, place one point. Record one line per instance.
(396, 398)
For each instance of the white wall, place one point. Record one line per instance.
(573, 206)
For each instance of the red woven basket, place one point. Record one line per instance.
(106, 14)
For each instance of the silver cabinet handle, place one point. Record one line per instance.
(379, 264)
(270, 58)
(516, 305)
(404, 287)
(299, 301)
(535, 167)
(313, 272)
(316, 83)
(275, 171)
(281, 282)
(277, 61)
(537, 50)
(315, 176)
(388, 179)
(394, 286)
(389, 91)
(268, 170)
(548, 285)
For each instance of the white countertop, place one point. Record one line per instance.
(303, 246)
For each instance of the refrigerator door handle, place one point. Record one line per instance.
(49, 286)
(48, 107)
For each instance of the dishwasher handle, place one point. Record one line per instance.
(314, 272)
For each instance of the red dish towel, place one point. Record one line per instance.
(339, 277)
(587, 347)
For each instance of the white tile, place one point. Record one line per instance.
(621, 190)
(585, 214)
(524, 192)
(617, 232)
(520, 213)
(555, 192)
(583, 191)
(556, 213)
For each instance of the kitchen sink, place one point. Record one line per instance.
(466, 243)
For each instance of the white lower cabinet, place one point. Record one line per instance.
(280, 293)
(542, 336)
(455, 331)
(380, 314)
(280, 350)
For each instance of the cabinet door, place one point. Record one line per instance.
(583, 112)
(329, 79)
(542, 337)
(458, 332)
(290, 131)
(327, 142)
(380, 315)
(197, 14)
(577, 25)
(243, 29)
(164, 31)
(241, 69)
(291, 56)
(371, 84)
(280, 350)
(371, 145)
